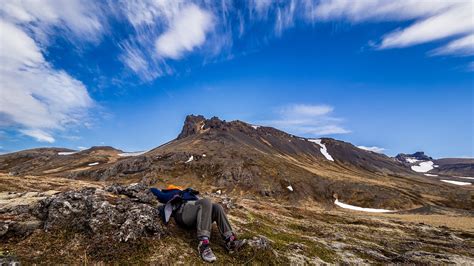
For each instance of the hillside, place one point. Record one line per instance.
(237, 157)
(297, 200)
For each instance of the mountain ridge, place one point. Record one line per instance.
(243, 158)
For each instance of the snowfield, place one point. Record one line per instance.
(465, 177)
(255, 127)
(423, 167)
(126, 154)
(67, 152)
(290, 188)
(190, 159)
(356, 208)
(459, 183)
(323, 149)
(430, 175)
(412, 160)
(92, 164)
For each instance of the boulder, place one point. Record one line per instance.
(118, 213)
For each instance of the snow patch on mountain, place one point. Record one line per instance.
(67, 152)
(459, 183)
(127, 154)
(190, 159)
(92, 164)
(430, 175)
(356, 208)
(423, 167)
(412, 160)
(465, 177)
(255, 127)
(290, 188)
(323, 149)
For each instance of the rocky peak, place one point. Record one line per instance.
(419, 155)
(195, 124)
(192, 125)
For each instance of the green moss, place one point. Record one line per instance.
(281, 240)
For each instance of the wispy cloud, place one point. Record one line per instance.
(372, 148)
(37, 98)
(38, 134)
(186, 32)
(433, 20)
(451, 22)
(135, 59)
(172, 29)
(308, 120)
(462, 47)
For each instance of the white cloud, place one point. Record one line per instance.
(378, 10)
(38, 134)
(80, 18)
(148, 13)
(285, 17)
(434, 20)
(134, 58)
(463, 46)
(36, 98)
(372, 148)
(452, 22)
(167, 29)
(298, 110)
(186, 32)
(304, 119)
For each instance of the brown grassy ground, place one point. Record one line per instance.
(298, 232)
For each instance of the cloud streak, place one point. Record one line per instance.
(170, 30)
(308, 120)
(372, 149)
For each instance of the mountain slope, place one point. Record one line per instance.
(56, 160)
(237, 157)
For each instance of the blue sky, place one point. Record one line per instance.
(391, 76)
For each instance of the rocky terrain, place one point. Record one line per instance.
(116, 223)
(293, 197)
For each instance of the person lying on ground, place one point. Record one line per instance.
(191, 212)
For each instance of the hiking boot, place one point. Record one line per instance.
(234, 245)
(206, 252)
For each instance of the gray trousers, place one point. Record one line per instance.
(200, 214)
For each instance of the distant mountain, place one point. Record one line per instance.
(451, 167)
(57, 161)
(238, 157)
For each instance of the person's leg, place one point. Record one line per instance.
(198, 214)
(219, 216)
(204, 217)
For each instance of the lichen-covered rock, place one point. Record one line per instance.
(136, 191)
(90, 211)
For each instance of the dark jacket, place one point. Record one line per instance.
(173, 199)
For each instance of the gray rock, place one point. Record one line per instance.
(259, 242)
(92, 211)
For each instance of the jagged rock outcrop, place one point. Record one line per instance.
(192, 125)
(419, 155)
(118, 213)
